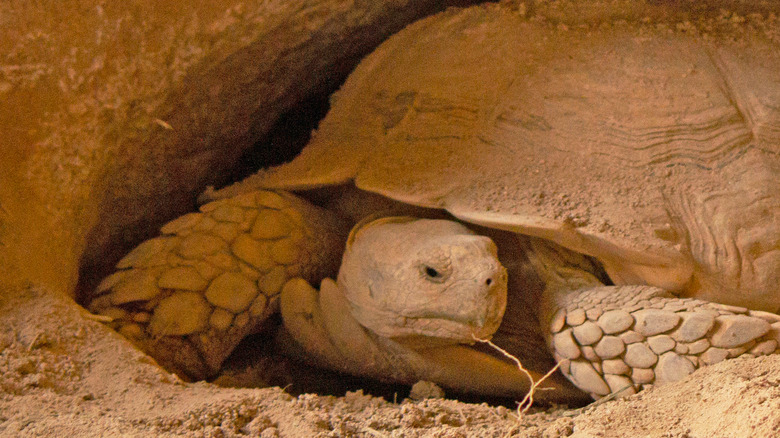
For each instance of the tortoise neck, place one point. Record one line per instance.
(561, 271)
(520, 331)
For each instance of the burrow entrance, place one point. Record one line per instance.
(255, 362)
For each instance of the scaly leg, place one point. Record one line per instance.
(189, 296)
(625, 338)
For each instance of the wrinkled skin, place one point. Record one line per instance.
(432, 278)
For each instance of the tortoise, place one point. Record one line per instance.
(609, 193)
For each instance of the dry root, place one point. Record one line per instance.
(528, 400)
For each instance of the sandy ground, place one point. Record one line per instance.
(64, 375)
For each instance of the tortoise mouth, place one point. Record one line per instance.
(462, 329)
(465, 326)
(438, 329)
(478, 320)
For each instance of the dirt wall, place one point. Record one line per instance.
(116, 115)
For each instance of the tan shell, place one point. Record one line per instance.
(656, 151)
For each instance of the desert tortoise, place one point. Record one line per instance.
(629, 176)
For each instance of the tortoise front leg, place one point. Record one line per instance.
(189, 296)
(625, 338)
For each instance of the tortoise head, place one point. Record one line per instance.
(423, 282)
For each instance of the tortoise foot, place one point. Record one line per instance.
(625, 338)
(190, 295)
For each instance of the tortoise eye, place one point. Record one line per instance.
(432, 274)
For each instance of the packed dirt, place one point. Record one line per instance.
(62, 374)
